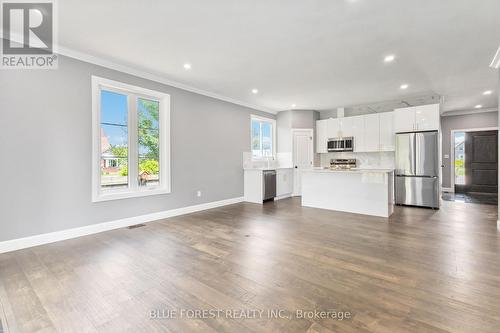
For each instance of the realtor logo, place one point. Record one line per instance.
(28, 35)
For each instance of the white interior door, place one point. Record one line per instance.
(303, 155)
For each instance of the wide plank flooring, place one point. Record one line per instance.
(419, 271)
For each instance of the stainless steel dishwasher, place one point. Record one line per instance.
(269, 184)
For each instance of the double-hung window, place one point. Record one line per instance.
(131, 141)
(263, 133)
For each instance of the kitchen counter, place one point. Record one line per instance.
(270, 168)
(360, 191)
(355, 170)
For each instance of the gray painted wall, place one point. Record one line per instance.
(326, 114)
(46, 146)
(479, 120)
(286, 120)
(304, 118)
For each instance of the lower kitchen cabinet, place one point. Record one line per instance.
(284, 182)
(254, 187)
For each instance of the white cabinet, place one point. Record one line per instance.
(357, 131)
(253, 184)
(284, 182)
(404, 120)
(417, 118)
(427, 117)
(321, 137)
(372, 133)
(346, 127)
(333, 128)
(387, 134)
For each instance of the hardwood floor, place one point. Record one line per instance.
(419, 271)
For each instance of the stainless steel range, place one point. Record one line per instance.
(342, 164)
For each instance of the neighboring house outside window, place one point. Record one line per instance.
(131, 140)
(263, 137)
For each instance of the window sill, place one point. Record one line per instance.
(129, 194)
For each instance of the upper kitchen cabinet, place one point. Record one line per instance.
(379, 132)
(387, 135)
(417, 118)
(357, 130)
(333, 128)
(404, 119)
(427, 117)
(321, 136)
(372, 133)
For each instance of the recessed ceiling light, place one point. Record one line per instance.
(389, 58)
(255, 91)
(187, 66)
(478, 106)
(488, 92)
(294, 105)
(404, 86)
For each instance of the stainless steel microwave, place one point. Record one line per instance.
(341, 144)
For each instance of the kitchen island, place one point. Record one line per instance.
(360, 191)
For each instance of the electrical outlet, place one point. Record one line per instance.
(198, 194)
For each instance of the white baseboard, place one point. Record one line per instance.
(283, 197)
(22, 243)
(448, 189)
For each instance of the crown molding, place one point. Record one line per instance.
(464, 112)
(114, 65)
(495, 63)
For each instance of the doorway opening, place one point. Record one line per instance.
(475, 166)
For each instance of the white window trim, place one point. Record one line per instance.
(164, 124)
(269, 120)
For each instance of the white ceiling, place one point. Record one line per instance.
(315, 54)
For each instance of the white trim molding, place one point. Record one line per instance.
(26, 242)
(495, 63)
(274, 136)
(133, 94)
(464, 112)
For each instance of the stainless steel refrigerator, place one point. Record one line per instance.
(417, 169)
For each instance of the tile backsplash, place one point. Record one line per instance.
(379, 160)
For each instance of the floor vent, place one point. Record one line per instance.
(130, 227)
